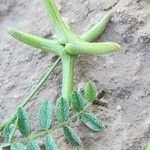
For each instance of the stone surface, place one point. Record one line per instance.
(124, 76)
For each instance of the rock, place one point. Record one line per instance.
(102, 102)
(118, 108)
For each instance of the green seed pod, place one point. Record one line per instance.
(9, 130)
(50, 46)
(77, 101)
(148, 146)
(94, 32)
(45, 114)
(33, 145)
(50, 143)
(17, 146)
(90, 91)
(71, 136)
(62, 110)
(91, 121)
(85, 48)
(24, 122)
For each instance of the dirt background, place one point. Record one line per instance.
(125, 76)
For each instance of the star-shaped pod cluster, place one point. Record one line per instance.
(68, 45)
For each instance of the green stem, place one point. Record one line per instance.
(68, 62)
(44, 133)
(32, 92)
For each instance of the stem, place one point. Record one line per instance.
(32, 92)
(68, 62)
(45, 133)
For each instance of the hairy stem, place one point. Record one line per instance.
(68, 62)
(32, 92)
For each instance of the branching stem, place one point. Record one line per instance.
(32, 92)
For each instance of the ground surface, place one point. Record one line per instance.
(125, 76)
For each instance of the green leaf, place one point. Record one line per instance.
(35, 41)
(50, 143)
(148, 146)
(17, 146)
(91, 121)
(85, 48)
(62, 110)
(45, 114)
(71, 136)
(90, 91)
(10, 129)
(24, 122)
(33, 145)
(77, 101)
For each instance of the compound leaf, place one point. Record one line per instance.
(90, 91)
(24, 122)
(77, 101)
(62, 109)
(50, 143)
(45, 114)
(33, 145)
(17, 146)
(91, 121)
(71, 136)
(10, 129)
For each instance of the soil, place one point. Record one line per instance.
(124, 76)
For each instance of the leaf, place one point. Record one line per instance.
(71, 136)
(24, 122)
(148, 146)
(45, 114)
(91, 121)
(10, 129)
(77, 101)
(33, 145)
(62, 109)
(17, 146)
(90, 91)
(50, 143)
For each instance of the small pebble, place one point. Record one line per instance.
(118, 108)
(116, 147)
